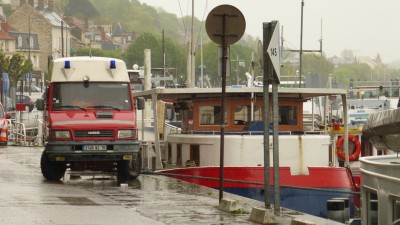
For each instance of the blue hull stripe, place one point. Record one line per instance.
(307, 201)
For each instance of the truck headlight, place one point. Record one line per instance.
(126, 133)
(64, 134)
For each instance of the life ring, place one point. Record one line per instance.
(356, 151)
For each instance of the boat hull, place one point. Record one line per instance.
(305, 193)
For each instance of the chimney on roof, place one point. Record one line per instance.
(40, 4)
(31, 2)
(50, 5)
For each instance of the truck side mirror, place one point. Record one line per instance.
(140, 103)
(40, 104)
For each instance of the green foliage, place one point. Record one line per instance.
(4, 62)
(316, 64)
(240, 62)
(17, 67)
(135, 52)
(7, 10)
(80, 8)
(355, 71)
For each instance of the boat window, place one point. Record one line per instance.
(287, 115)
(372, 207)
(211, 115)
(242, 115)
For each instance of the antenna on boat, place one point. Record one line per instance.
(320, 40)
(301, 44)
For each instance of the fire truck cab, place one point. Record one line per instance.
(89, 119)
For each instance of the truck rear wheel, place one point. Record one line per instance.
(129, 169)
(51, 170)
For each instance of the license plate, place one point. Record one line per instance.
(94, 147)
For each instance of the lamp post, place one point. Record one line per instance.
(29, 54)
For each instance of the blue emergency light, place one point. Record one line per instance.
(113, 64)
(67, 64)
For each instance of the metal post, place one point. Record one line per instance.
(163, 58)
(201, 63)
(2, 86)
(301, 42)
(346, 130)
(222, 144)
(266, 82)
(29, 54)
(276, 147)
(192, 59)
(62, 38)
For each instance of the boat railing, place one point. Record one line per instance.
(172, 129)
(315, 132)
(257, 132)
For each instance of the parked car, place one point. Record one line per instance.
(3, 125)
(26, 100)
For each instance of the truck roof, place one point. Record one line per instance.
(75, 69)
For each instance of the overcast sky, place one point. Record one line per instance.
(365, 26)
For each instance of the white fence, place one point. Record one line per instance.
(26, 128)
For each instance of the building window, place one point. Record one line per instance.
(35, 61)
(31, 42)
(19, 42)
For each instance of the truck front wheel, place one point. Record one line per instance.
(51, 170)
(129, 169)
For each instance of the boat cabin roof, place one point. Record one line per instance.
(180, 93)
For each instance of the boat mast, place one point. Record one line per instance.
(191, 81)
(301, 43)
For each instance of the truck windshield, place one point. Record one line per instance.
(93, 95)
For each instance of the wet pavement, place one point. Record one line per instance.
(26, 198)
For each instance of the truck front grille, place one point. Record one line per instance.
(94, 133)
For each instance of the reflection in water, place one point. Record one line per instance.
(97, 180)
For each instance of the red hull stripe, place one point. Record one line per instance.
(250, 177)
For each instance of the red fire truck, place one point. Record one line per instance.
(90, 119)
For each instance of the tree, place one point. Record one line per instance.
(134, 54)
(80, 8)
(17, 68)
(355, 71)
(175, 56)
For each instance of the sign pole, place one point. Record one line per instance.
(232, 23)
(271, 59)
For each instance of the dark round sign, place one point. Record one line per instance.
(235, 24)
